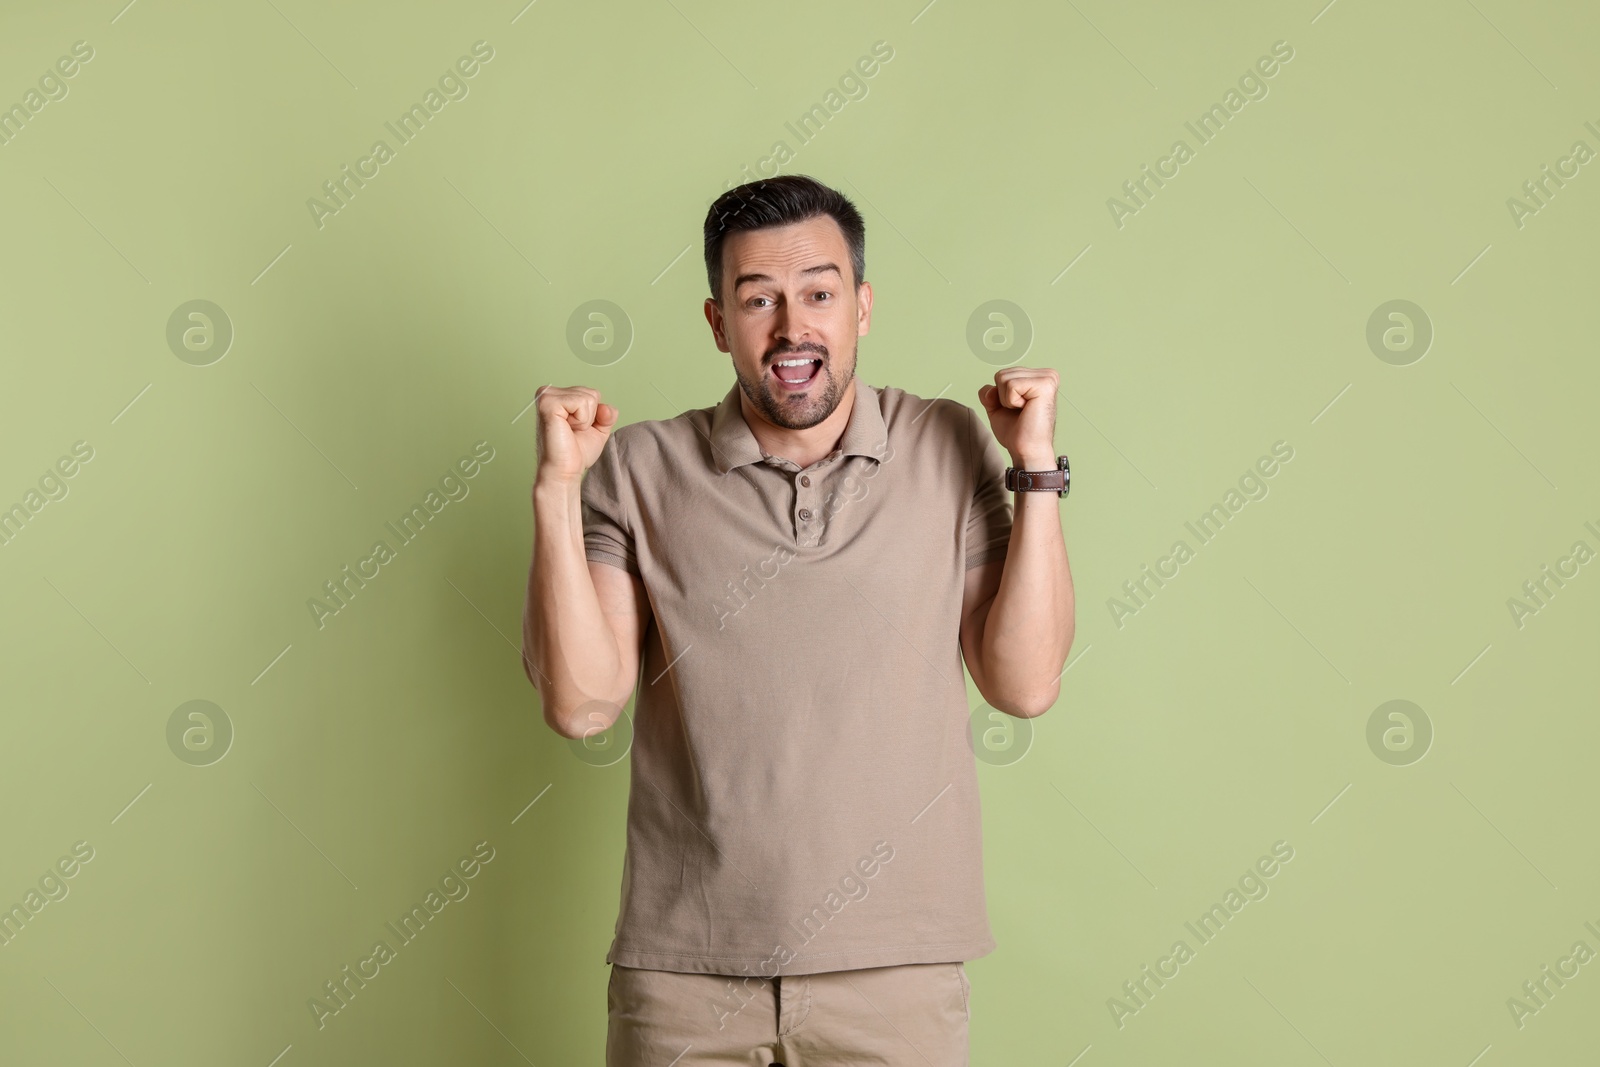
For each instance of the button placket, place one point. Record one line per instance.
(805, 510)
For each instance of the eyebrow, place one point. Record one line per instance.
(818, 269)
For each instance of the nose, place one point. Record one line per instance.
(792, 326)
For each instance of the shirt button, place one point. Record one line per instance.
(805, 480)
(805, 514)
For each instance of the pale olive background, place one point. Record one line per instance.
(1228, 314)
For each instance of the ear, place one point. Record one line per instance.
(714, 317)
(863, 309)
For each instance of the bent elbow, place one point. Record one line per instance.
(561, 727)
(1026, 705)
(587, 719)
(1032, 709)
(563, 723)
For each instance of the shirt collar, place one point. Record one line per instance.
(733, 445)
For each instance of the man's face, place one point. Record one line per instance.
(789, 292)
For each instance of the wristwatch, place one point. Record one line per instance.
(1058, 481)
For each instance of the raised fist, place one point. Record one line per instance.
(573, 427)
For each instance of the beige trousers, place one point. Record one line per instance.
(914, 1015)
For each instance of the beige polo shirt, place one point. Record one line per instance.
(803, 792)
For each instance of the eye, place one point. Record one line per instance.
(824, 294)
(754, 299)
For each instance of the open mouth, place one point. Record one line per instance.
(796, 373)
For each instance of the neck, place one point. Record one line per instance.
(801, 447)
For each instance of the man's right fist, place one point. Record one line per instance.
(573, 427)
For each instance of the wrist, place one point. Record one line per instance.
(556, 490)
(1033, 461)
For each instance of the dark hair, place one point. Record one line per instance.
(779, 201)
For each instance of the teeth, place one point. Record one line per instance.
(793, 362)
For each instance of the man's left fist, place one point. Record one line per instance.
(1022, 413)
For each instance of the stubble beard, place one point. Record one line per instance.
(799, 411)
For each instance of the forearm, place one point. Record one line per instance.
(1030, 623)
(569, 650)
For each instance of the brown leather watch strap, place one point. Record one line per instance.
(1058, 481)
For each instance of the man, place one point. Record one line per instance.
(800, 571)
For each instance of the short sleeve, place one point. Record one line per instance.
(989, 521)
(607, 536)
